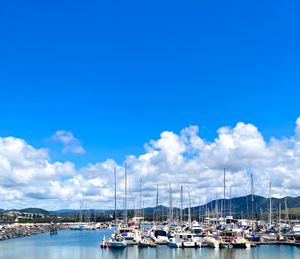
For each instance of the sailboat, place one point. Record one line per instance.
(114, 242)
(211, 242)
(240, 242)
(184, 240)
(184, 237)
(130, 234)
(117, 242)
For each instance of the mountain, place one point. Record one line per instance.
(65, 212)
(68, 212)
(30, 210)
(239, 206)
(243, 205)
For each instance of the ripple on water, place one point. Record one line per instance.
(85, 245)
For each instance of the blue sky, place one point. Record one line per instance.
(118, 73)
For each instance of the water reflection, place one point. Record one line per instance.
(85, 245)
(116, 253)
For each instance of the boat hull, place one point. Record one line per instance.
(174, 245)
(190, 245)
(240, 245)
(211, 242)
(118, 245)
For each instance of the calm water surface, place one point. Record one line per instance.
(85, 245)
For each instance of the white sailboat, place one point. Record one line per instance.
(240, 242)
(184, 240)
(211, 242)
(117, 242)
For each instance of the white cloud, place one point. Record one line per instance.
(28, 178)
(70, 143)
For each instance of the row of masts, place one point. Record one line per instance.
(171, 210)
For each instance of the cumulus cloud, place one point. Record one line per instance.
(70, 143)
(28, 178)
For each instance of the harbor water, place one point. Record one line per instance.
(85, 245)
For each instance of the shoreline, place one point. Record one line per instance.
(14, 231)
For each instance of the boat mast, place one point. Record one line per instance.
(172, 212)
(140, 210)
(216, 209)
(201, 212)
(170, 203)
(224, 211)
(230, 211)
(270, 208)
(115, 176)
(206, 200)
(143, 214)
(125, 201)
(80, 211)
(252, 199)
(136, 207)
(157, 212)
(181, 201)
(190, 218)
(279, 214)
(286, 210)
(141, 205)
(169, 207)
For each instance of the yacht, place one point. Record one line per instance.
(130, 235)
(294, 234)
(269, 237)
(146, 243)
(159, 235)
(184, 240)
(211, 242)
(143, 243)
(117, 242)
(240, 242)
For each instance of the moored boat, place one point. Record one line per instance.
(173, 244)
(131, 235)
(146, 243)
(159, 235)
(117, 242)
(240, 242)
(211, 242)
(254, 237)
(143, 243)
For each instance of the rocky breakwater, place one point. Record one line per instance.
(23, 230)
